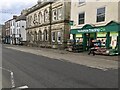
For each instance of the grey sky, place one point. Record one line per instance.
(8, 8)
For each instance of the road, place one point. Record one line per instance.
(37, 71)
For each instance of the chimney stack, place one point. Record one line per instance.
(14, 16)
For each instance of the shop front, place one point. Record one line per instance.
(108, 35)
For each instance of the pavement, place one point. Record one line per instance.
(99, 62)
(37, 68)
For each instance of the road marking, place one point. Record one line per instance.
(5, 69)
(22, 87)
(12, 80)
(12, 76)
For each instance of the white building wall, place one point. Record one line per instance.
(23, 30)
(12, 30)
(20, 29)
(90, 9)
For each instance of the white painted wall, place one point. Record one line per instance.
(12, 29)
(23, 29)
(20, 29)
(90, 9)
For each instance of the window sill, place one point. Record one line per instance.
(80, 25)
(99, 23)
(82, 4)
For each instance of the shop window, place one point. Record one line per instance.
(53, 36)
(81, 18)
(45, 35)
(101, 36)
(59, 36)
(101, 14)
(114, 39)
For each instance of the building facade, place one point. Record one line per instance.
(3, 33)
(20, 30)
(0, 33)
(47, 26)
(38, 25)
(99, 19)
(7, 32)
(13, 30)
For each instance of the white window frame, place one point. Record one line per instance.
(100, 14)
(53, 15)
(81, 18)
(58, 35)
(53, 39)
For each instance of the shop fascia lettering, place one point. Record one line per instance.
(92, 30)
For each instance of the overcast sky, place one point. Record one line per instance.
(8, 8)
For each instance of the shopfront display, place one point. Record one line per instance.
(101, 36)
(114, 37)
(79, 39)
(107, 35)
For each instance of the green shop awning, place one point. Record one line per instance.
(111, 26)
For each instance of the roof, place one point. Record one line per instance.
(21, 17)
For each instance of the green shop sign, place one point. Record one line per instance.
(92, 30)
(110, 27)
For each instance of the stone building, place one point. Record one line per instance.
(3, 33)
(47, 24)
(38, 24)
(7, 32)
(60, 23)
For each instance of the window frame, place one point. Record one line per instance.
(45, 35)
(79, 20)
(59, 33)
(53, 15)
(101, 14)
(59, 13)
(46, 15)
(53, 36)
(40, 35)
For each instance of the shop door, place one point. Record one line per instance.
(90, 37)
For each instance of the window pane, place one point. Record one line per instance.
(100, 10)
(101, 14)
(59, 36)
(81, 18)
(53, 36)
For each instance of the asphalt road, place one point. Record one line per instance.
(42, 72)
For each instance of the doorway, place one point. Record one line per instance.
(90, 37)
